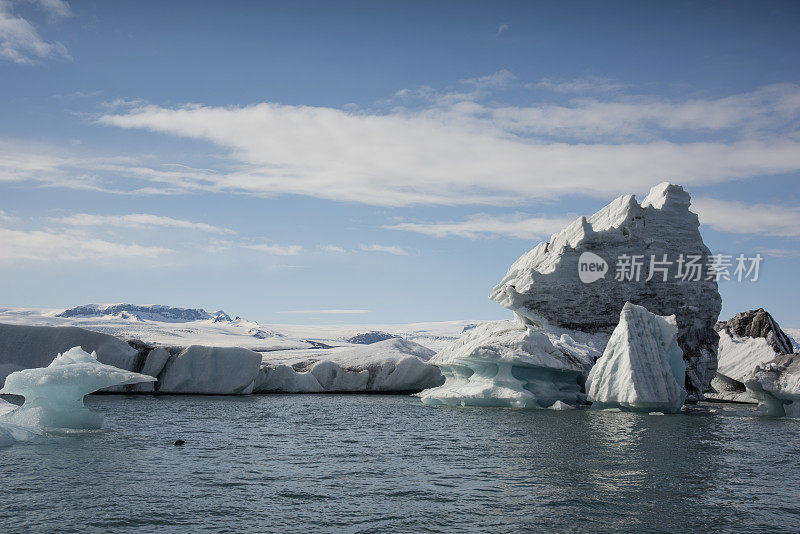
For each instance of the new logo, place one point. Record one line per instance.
(591, 267)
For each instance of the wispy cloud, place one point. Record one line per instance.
(590, 84)
(325, 312)
(743, 218)
(66, 247)
(389, 249)
(55, 8)
(336, 249)
(20, 42)
(502, 28)
(138, 220)
(482, 225)
(780, 252)
(276, 250)
(500, 78)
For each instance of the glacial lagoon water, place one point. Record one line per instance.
(380, 463)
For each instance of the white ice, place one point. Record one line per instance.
(509, 364)
(390, 365)
(776, 385)
(54, 394)
(642, 368)
(210, 370)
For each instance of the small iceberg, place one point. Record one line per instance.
(776, 386)
(642, 368)
(54, 394)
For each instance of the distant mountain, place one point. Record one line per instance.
(368, 338)
(154, 312)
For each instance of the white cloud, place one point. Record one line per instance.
(276, 250)
(503, 27)
(389, 249)
(482, 225)
(325, 312)
(20, 42)
(64, 247)
(465, 152)
(333, 248)
(742, 218)
(138, 220)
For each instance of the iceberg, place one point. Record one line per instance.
(545, 287)
(26, 347)
(509, 364)
(642, 367)
(746, 341)
(54, 394)
(776, 385)
(392, 365)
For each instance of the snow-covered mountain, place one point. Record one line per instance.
(152, 312)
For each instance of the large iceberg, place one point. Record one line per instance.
(54, 394)
(26, 347)
(392, 365)
(642, 367)
(544, 286)
(746, 341)
(509, 364)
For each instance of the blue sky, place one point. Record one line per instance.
(384, 162)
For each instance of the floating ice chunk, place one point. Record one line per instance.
(747, 340)
(642, 368)
(558, 405)
(54, 394)
(210, 370)
(506, 363)
(776, 385)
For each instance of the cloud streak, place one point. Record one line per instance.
(138, 220)
(325, 312)
(484, 226)
(388, 249)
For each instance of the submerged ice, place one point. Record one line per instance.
(54, 394)
(642, 367)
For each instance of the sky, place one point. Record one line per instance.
(379, 162)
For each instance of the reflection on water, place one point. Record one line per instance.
(375, 463)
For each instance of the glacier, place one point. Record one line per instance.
(510, 364)
(642, 367)
(543, 286)
(54, 394)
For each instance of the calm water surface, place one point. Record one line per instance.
(373, 463)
